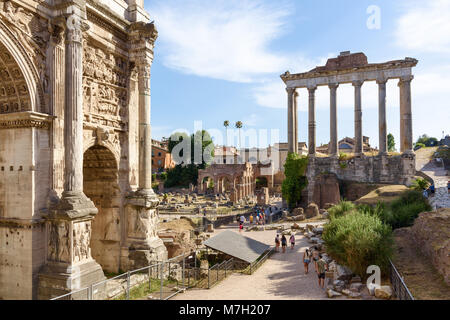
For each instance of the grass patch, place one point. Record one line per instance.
(143, 290)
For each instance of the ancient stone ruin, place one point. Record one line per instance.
(75, 152)
(355, 69)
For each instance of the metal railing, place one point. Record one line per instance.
(255, 265)
(159, 281)
(399, 287)
(207, 278)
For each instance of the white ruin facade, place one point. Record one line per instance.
(75, 144)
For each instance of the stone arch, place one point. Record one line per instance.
(21, 70)
(261, 182)
(101, 185)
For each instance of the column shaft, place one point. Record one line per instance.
(406, 136)
(358, 119)
(333, 147)
(73, 111)
(290, 116)
(312, 121)
(295, 121)
(382, 124)
(145, 138)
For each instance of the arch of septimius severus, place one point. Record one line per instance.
(355, 69)
(75, 144)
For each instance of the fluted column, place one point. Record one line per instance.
(382, 124)
(295, 121)
(145, 137)
(333, 148)
(290, 117)
(73, 111)
(312, 121)
(406, 136)
(358, 119)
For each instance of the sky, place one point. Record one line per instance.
(218, 60)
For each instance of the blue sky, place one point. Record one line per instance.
(219, 60)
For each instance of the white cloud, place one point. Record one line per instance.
(425, 26)
(223, 39)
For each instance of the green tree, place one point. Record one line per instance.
(427, 141)
(391, 142)
(202, 154)
(239, 127)
(295, 181)
(226, 124)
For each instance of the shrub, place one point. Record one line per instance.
(420, 184)
(341, 209)
(358, 240)
(402, 212)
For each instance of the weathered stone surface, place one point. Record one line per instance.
(326, 190)
(312, 211)
(356, 287)
(333, 294)
(383, 292)
(297, 212)
(343, 273)
(298, 218)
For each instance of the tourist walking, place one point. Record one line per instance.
(315, 255)
(322, 267)
(292, 241)
(251, 219)
(283, 243)
(306, 260)
(277, 243)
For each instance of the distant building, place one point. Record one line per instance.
(225, 155)
(347, 145)
(445, 141)
(161, 157)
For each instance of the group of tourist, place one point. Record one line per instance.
(320, 265)
(283, 242)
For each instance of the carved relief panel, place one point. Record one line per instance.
(105, 84)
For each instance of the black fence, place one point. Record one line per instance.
(400, 289)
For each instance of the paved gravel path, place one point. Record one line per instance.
(280, 277)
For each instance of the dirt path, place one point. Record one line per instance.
(422, 279)
(280, 277)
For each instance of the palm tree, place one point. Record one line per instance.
(239, 126)
(226, 124)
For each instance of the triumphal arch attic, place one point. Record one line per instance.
(75, 144)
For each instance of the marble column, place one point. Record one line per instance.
(312, 121)
(382, 124)
(296, 121)
(359, 151)
(70, 265)
(333, 147)
(406, 134)
(290, 117)
(145, 138)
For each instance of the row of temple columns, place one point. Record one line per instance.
(406, 138)
(244, 188)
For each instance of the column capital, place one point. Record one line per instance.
(333, 85)
(358, 83)
(290, 90)
(75, 27)
(382, 81)
(312, 89)
(405, 79)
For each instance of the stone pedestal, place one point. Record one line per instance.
(143, 246)
(70, 265)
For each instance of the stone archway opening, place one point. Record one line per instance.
(101, 185)
(261, 182)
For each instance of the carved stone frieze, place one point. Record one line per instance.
(105, 84)
(33, 34)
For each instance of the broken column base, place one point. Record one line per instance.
(59, 279)
(143, 254)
